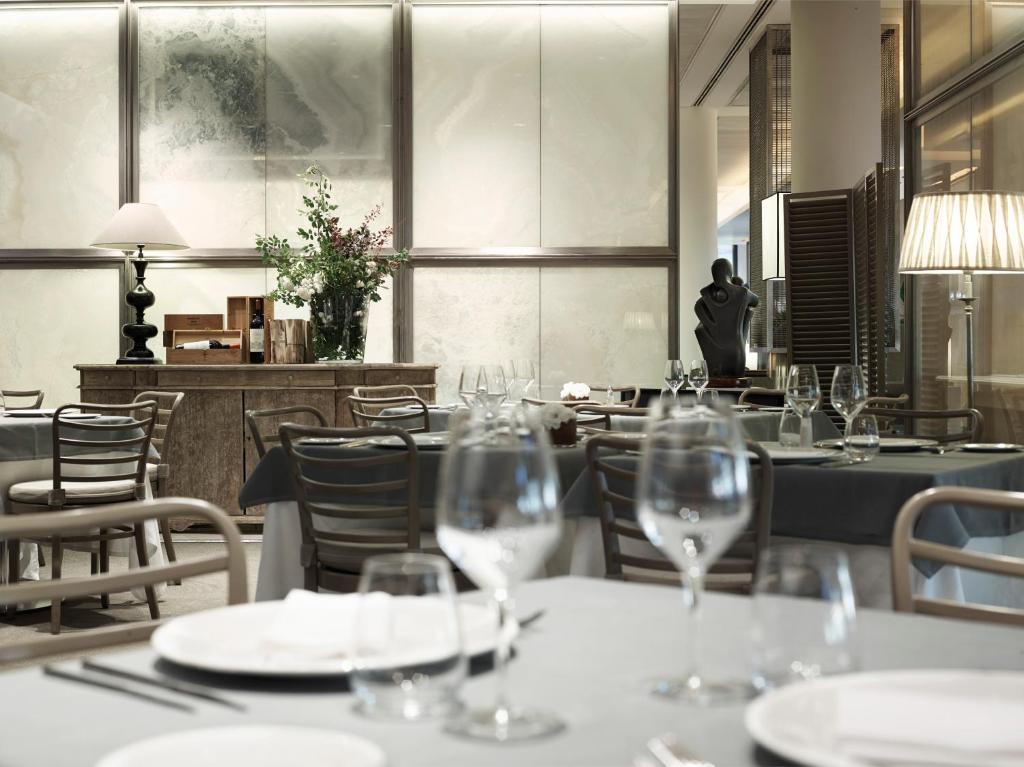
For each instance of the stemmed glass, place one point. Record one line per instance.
(693, 500)
(803, 395)
(674, 375)
(469, 380)
(849, 392)
(524, 375)
(498, 520)
(699, 377)
(492, 388)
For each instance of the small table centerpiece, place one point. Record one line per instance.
(337, 272)
(575, 392)
(560, 421)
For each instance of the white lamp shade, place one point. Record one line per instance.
(773, 237)
(140, 223)
(964, 232)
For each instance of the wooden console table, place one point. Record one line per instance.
(210, 452)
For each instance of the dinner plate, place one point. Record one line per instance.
(782, 455)
(260, 745)
(800, 721)
(991, 447)
(886, 444)
(431, 440)
(30, 413)
(228, 640)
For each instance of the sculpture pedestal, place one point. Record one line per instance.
(729, 383)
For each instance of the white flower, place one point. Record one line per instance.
(357, 313)
(303, 292)
(360, 284)
(285, 284)
(318, 284)
(553, 415)
(575, 391)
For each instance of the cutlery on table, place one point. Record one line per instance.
(114, 687)
(183, 688)
(531, 618)
(669, 753)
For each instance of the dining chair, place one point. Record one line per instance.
(259, 421)
(905, 548)
(757, 397)
(567, 402)
(159, 467)
(887, 402)
(599, 417)
(1013, 403)
(94, 462)
(35, 394)
(68, 524)
(367, 412)
(613, 462)
(906, 423)
(632, 393)
(373, 498)
(388, 390)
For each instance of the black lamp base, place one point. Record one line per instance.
(139, 298)
(139, 361)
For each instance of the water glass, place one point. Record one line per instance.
(860, 440)
(498, 519)
(409, 658)
(674, 375)
(805, 622)
(789, 428)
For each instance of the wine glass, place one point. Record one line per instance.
(498, 520)
(699, 377)
(524, 375)
(849, 392)
(674, 375)
(693, 500)
(492, 388)
(803, 395)
(469, 380)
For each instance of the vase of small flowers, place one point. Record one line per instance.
(337, 272)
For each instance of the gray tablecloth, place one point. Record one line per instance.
(26, 439)
(591, 658)
(858, 504)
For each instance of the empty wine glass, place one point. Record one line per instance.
(674, 375)
(491, 388)
(524, 375)
(803, 395)
(849, 392)
(698, 375)
(498, 520)
(693, 500)
(469, 380)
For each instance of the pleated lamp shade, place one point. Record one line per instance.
(140, 223)
(964, 232)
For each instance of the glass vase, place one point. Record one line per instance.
(338, 319)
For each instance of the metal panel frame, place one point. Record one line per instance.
(128, 174)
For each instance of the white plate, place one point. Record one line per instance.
(991, 447)
(260, 745)
(432, 440)
(780, 454)
(798, 721)
(30, 413)
(887, 444)
(227, 640)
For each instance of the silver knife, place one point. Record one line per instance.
(86, 680)
(167, 684)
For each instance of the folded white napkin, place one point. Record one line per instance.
(923, 722)
(312, 625)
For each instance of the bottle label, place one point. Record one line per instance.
(256, 339)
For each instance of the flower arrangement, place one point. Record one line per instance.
(575, 391)
(337, 272)
(560, 421)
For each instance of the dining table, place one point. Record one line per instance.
(591, 658)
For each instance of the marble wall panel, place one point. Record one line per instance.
(329, 101)
(604, 125)
(476, 153)
(40, 345)
(202, 117)
(466, 315)
(58, 125)
(603, 324)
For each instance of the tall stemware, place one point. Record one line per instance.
(699, 378)
(849, 392)
(469, 380)
(498, 519)
(492, 388)
(675, 376)
(803, 395)
(693, 500)
(524, 376)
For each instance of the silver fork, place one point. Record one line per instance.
(668, 752)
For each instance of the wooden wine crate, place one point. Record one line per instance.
(291, 342)
(207, 356)
(174, 322)
(240, 310)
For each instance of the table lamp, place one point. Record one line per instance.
(965, 233)
(139, 225)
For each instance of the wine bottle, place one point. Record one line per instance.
(256, 333)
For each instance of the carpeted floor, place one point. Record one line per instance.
(198, 593)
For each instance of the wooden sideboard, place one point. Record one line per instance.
(211, 453)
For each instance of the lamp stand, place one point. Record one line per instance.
(968, 298)
(140, 298)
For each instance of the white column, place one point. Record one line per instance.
(836, 78)
(698, 215)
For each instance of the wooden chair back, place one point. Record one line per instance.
(757, 397)
(381, 516)
(167, 403)
(34, 394)
(1012, 401)
(909, 420)
(263, 424)
(887, 402)
(368, 412)
(66, 524)
(383, 392)
(82, 447)
(599, 417)
(614, 483)
(905, 547)
(632, 393)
